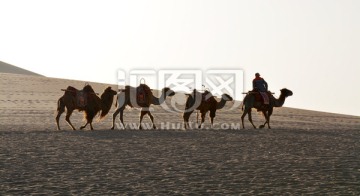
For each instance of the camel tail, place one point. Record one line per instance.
(59, 104)
(103, 114)
(104, 111)
(99, 116)
(243, 102)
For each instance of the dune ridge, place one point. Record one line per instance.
(8, 68)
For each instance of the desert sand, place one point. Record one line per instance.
(305, 152)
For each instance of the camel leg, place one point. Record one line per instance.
(67, 118)
(212, 115)
(212, 122)
(197, 117)
(250, 119)
(57, 119)
(202, 119)
(114, 116)
(87, 122)
(60, 110)
(247, 111)
(266, 118)
(186, 117)
(186, 121)
(187, 125)
(82, 127)
(91, 127)
(242, 118)
(142, 114)
(122, 117)
(152, 119)
(269, 114)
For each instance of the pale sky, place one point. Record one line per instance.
(309, 46)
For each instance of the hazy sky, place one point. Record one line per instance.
(309, 46)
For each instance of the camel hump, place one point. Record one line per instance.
(79, 95)
(70, 88)
(70, 91)
(88, 89)
(143, 88)
(206, 96)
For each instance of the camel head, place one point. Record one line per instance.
(168, 92)
(226, 97)
(286, 92)
(110, 91)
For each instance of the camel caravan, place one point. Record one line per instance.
(87, 101)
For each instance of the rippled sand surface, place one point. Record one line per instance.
(306, 152)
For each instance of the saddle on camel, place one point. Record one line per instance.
(263, 97)
(143, 95)
(81, 96)
(205, 95)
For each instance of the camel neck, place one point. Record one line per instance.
(280, 102)
(221, 104)
(160, 100)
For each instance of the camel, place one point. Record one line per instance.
(204, 102)
(253, 100)
(130, 97)
(92, 105)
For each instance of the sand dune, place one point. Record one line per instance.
(7, 68)
(306, 152)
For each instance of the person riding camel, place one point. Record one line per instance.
(261, 86)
